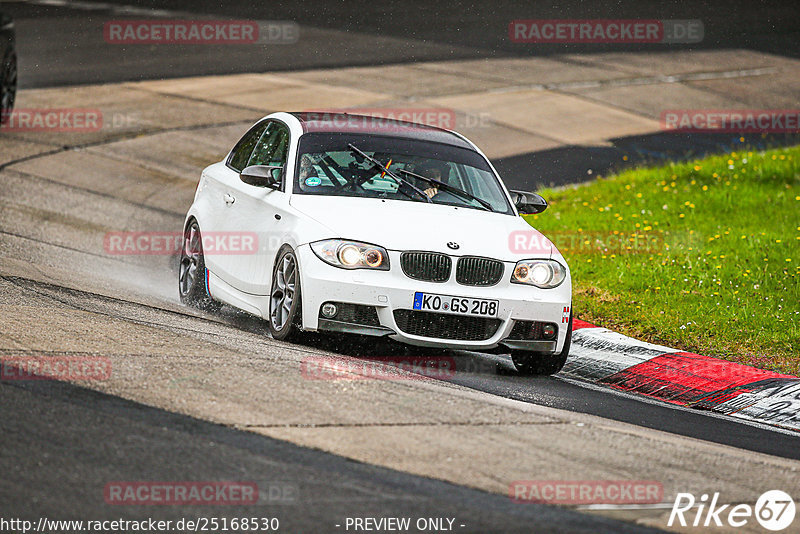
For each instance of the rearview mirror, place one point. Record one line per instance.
(528, 203)
(262, 175)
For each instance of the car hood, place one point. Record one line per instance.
(400, 225)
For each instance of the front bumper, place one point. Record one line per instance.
(392, 290)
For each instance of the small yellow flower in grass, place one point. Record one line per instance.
(624, 158)
(697, 167)
(694, 182)
(639, 195)
(658, 287)
(613, 256)
(646, 228)
(665, 188)
(730, 162)
(716, 293)
(585, 203)
(774, 156)
(797, 197)
(681, 215)
(741, 140)
(788, 259)
(628, 186)
(777, 240)
(782, 156)
(705, 188)
(708, 253)
(589, 260)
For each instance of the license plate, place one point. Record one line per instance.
(455, 305)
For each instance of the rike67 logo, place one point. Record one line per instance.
(774, 510)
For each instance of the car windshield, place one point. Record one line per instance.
(334, 164)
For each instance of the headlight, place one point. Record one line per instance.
(546, 274)
(351, 254)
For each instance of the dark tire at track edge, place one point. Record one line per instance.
(8, 86)
(535, 363)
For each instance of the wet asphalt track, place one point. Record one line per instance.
(62, 443)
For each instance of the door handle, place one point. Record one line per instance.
(228, 198)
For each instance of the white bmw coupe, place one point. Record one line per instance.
(376, 227)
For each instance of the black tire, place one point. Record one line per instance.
(8, 85)
(192, 272)
(536, 363)
(285, 318)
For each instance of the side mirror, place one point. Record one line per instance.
(262, 175)
(528, 203)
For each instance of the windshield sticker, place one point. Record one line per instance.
(313, 181)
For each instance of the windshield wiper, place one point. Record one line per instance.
(400, 181)
(447, 187)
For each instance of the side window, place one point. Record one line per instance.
(241, 153)
(273, 146)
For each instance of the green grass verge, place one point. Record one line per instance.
(701, 256)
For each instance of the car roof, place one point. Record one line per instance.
(342, 122)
